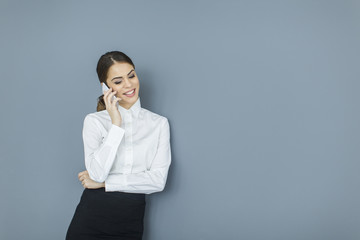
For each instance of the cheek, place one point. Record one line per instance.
(118, 88)
(118, 91)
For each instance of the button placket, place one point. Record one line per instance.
(128, 143)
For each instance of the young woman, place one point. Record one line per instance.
(127, 155)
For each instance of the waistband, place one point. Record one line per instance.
(101, 191)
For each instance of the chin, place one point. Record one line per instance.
(132, 100)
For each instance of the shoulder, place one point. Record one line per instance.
(97, 117)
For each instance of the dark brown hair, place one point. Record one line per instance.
(102, 68)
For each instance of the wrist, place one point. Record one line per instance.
(117, 124)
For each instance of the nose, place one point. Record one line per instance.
(127, 83)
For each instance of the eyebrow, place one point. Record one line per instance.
(121, 77)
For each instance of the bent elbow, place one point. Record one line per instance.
(162, 183)
(158, 188)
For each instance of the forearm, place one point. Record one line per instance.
(145, 182)
(99, 158)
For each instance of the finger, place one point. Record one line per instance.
(107, 92)
(111, 95)
(84, 176)
(86, 183)
(106, 96)
(115, 101)
(81, 173)
(108, 101)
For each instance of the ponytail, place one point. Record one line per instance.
(101, 104)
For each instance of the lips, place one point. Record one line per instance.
(130, 93)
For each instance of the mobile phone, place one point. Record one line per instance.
(105, 88)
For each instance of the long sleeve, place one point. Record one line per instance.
(100, 155)
(152, 180)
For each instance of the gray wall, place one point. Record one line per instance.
(262, 99)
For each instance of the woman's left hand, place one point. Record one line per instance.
(87, 182)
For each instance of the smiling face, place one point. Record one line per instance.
(122, 78)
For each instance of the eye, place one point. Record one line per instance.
(132, 76)
(118, 82)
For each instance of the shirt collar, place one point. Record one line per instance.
(134, 109)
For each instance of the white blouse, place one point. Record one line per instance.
(134, 157)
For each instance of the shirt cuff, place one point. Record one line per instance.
(115, 135)
(115, 182)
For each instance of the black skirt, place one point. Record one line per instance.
(108, 215)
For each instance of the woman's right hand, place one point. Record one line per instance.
(111, 107)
